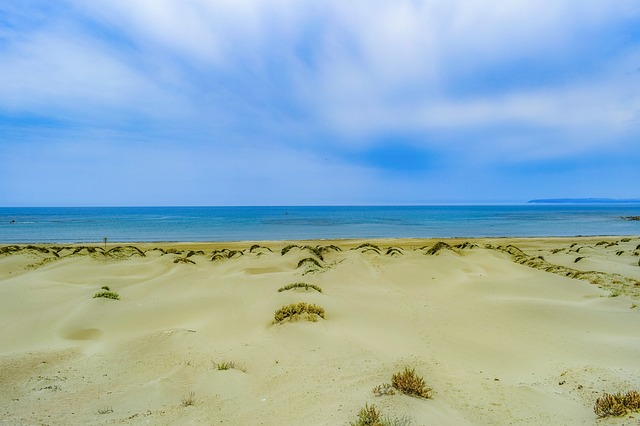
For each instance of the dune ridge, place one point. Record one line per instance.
(503, 330)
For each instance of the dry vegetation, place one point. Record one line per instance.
(617, 404)
(409, 383)
(295, 310)
(107, 294)
(189, 400)
(230, 365)
(301, 286)
(384, 389)
(370, 416)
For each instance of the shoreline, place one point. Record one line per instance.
(355, 240)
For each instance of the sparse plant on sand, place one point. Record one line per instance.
(370, 416)
(184, 260)
(105, 287)
(189, 400)
(440, 245)
(367, 246)
(301, 286)
(296, 310)
(107, 295)
(230, 365)
(105, 410)
(309, 262)
(394, 251)
(409, 383)
(384, 389)
(617, 405)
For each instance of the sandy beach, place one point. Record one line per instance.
(504, 331)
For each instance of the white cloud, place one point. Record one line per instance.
(65, 75)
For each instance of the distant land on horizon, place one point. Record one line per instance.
(585, 201)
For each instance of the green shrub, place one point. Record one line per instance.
(107, 295)
(294, 310)
(300, 285)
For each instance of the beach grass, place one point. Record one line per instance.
(230, 365)
(106, 294)
(300, 285)
(189, 399)
(618, 404)
(296, 310)
(409, 383)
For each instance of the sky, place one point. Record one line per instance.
(317, 102)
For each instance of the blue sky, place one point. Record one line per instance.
(286, 102)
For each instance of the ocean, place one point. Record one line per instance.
(146, 224)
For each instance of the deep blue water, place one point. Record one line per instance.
(127, 224)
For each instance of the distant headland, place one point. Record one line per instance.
(585, 201)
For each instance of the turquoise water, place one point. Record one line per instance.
(128, 224)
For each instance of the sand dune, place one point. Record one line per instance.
(505, 331)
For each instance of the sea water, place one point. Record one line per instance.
(129, 224)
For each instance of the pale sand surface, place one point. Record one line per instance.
(500, 342)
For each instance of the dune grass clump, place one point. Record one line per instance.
(368, 416)
(384, 389)
(394, 251)
(107, 294)
(409, 383)
(317, 250)
(260, 249)
(305, 286)
(296, 310)
(330, 247)
(225, 253)
(288, 248)
(366, 247)
(189, 400)
(230, 365)
(309, 262)
(184, 260)
(440, 245)
(616, 405)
